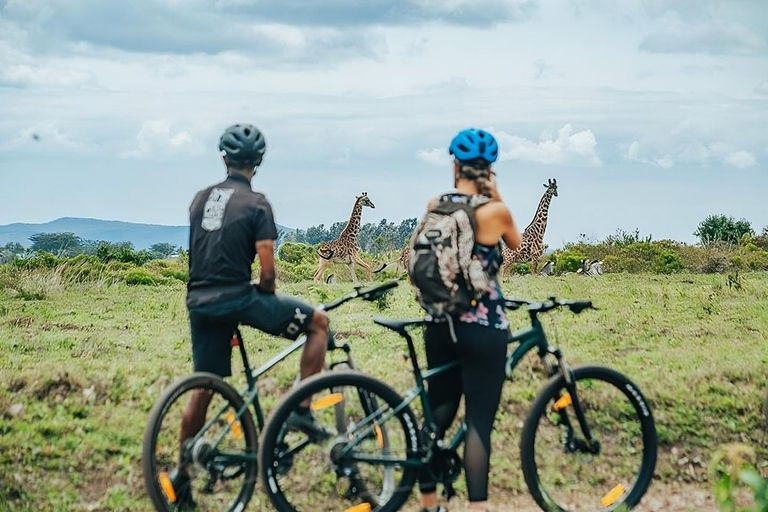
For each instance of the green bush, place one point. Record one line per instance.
(297, 253)
(178, 274)
(667, 261)
(568, 261)
(41, 259)
(756, 260)
(139, 277)
(733, 469)
(521, 268)
(124, 253)
(294, 273)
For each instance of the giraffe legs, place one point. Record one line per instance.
(351, 265)
(357, 259)
(322, 265)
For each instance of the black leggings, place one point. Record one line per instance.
(482, 354)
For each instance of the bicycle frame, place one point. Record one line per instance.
(251, 393)
(531, 337)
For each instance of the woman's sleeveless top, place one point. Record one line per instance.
(489, 310)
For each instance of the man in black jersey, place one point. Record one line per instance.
(229, 225)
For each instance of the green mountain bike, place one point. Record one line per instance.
(222, 457)
(588, 444)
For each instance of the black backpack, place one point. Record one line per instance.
(447, 277)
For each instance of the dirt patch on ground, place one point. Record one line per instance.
(659, 498)
(61, 386)
(342, 335)
(22, 321)
(17, 385)
(66, 327)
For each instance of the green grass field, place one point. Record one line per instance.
(80, 369)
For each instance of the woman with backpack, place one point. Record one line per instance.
(477, 334)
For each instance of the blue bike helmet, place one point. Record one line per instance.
(473, 144)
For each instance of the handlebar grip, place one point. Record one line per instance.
(513, 304)
(378, 291)
(577, 306)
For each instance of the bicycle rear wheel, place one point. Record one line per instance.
(221, 459)
(562, 472)
(305, 472)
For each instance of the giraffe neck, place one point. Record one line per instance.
(539, 223)
(353, 225)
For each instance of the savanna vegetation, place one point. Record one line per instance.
(87, 343)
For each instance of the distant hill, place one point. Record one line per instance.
(142, 236)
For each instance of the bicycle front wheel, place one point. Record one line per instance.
(563, 470)
(219, 461)
(364, 459)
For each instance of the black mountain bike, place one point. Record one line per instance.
(588, 444)
(222, 457)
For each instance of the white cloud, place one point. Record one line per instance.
(690, 152)
(762, 88)
(633, 151)
(740, 159)
(665, 162)
(437, 156)
(18, 69)
(43, 136)
(713, 38)
(567, 148)
(156, 140)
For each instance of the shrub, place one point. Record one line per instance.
(521, 268)
(733, 467)
(624, 238)
(297, 253)
(756, 260)
(41, 259)
(124, 253)
(294, 273)
(178, 274)
(667, 261)
(568, 261)
(139, 277)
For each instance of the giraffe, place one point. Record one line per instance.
(402, 261)
(532, 246)
(344, 249)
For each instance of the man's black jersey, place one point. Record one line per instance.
(225, 222)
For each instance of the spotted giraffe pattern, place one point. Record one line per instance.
(344, 249)
(532, 246)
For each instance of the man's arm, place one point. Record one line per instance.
(266, 252)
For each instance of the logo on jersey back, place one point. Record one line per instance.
(215, 206)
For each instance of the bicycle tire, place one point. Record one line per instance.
(150, 449)
(366, 386)
(548, 397)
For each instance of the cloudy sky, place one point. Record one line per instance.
(650, 114)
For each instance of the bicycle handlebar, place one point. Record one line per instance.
(369, 295)
(576, 306)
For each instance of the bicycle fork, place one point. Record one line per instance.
(570, 398)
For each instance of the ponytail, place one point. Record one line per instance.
(480, 175)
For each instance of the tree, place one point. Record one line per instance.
(60, 244)
(719, 228)
(10, 251)
(163, 250)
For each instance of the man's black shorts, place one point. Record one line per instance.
(214, 324)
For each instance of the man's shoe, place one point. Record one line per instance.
(305, 422)
(439, 508)
(182, 491)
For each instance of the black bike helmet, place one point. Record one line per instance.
(243, 144)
